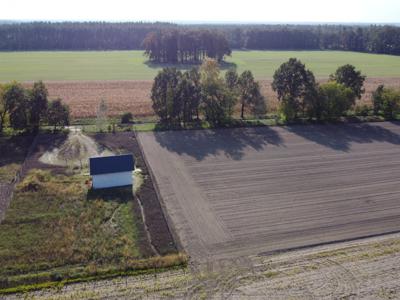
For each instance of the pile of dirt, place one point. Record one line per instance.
(75, 151)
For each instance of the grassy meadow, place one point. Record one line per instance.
(53, 225)
(131, 65)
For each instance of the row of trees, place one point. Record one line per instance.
(185, 97)
(22, 108)
(124, 36)
(301, 96)
(173, 46)
(182, 97)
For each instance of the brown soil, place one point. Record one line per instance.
(237, 192)
(134, 96)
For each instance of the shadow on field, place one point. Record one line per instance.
(339, 137)
(232, 142)
(13, 149)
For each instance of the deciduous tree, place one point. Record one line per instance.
(387, 102)
(351, 78)
(57, 114)
(16, 104)
(336, 99)
(250, 94)
(218, 101)
(37, 104)
(292, 82)
(164, 94)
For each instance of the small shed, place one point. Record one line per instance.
(111, 171)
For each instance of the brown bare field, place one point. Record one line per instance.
(134, 96)
(237, 192)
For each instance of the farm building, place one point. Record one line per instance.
(112, 171)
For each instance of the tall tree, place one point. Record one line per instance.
(16, 104)
(250, 94)
(163, 94)
(218, 101)
(102, 115)
(231, 79)
(190, 94)
(292, 82)
(57, 114)
(38, 104)
(351, 78)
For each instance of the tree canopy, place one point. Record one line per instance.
(293, 82)
(184, 46)
(351, 78)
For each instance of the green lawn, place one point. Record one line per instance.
(130, 65)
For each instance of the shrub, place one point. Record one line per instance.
(386, 102)
(336, 99)
(363, 110)
(126, 118)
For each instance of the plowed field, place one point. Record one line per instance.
(234, 192)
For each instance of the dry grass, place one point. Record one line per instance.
(134, 96)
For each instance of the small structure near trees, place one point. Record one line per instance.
(112, 171)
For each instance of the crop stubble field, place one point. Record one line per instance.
(124, 79)
(235, 192)
(134, 96)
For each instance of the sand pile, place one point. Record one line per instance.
(75, 151)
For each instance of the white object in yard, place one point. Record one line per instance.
(112, 171)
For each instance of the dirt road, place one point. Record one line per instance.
(239, 192)
(367, 269)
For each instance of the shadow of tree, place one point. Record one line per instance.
(231, 142)
(118, 194)
(339, 137)
(14, 149)
(188, 66)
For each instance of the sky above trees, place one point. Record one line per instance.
(289, 11)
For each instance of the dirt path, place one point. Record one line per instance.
(367, 269)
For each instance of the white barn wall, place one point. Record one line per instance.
(112, 180)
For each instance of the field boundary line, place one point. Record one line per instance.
(170, 224)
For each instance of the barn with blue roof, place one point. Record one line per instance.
(112, 171)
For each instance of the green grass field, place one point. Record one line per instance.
(130, 65)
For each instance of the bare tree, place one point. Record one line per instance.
(102, 115)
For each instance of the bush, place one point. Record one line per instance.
(126, 118)
(386, 102)
(364, 110)
(336, 100)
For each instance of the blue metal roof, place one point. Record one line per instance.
(111, 164)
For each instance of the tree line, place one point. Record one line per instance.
(186, 97)
(301, 96)
(202, 93)
(127, 36)
(185, 46)
(27, 108)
